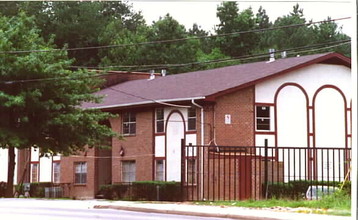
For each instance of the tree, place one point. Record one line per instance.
(329, 31)
(76, 24)
(40, 98)
(231, 20)
(292, 37)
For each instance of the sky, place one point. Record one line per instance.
(204, 12)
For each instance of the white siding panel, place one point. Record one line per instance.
(160, 146)
(35, 154)
(174, 132)
(3, 164)
(191, 138)
(330, 132)
(45, 169)
(310, 78)
(291, 118)
(292, 131)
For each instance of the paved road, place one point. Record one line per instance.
(37, 209)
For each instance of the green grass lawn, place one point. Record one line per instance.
(338, 203)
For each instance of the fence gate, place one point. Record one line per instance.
(237, 172)
(216, 173)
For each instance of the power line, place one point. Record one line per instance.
(245, 57)
(172, 40)
(204, 62)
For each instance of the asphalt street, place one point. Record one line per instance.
(71, 209)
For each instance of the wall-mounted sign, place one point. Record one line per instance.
(227, 119)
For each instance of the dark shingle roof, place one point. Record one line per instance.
(202, 84)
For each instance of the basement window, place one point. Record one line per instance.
(159, 170)
(191, 171)
(263, 118)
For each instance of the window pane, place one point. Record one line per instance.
(262, 111)
(192, 112)
(56, 172)
(126, 128)
(192, 124)
(132, 128)
(132, 117)
(159, 175)
(126, 117)
(81, 173)
(160, 126)
(263, 124)
(128, 171)
(191, 171)
(160, 114)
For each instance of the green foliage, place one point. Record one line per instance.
(231, 20)
(38, 189)
(298, 189)
(44, 114)
(337, 203)
(142, 190)
(90, 24)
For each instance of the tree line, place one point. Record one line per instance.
(88, 24)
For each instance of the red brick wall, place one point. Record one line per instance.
(79, 191)
(138, 147)
(240, 105)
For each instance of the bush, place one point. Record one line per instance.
(157, 191)
(38, 189)
(142, 190)
(114, 192)
(2, 189)
(297, 189)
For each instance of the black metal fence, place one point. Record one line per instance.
(238, 173)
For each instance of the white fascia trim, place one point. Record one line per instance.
(147, 102)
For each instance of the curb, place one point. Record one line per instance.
(177, 212)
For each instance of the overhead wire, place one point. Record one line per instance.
(171, 40)
(244, 57)
(204, 62)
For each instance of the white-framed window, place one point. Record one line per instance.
(191, 171)
(80, 172)
(56, 172)
(129, 123)
(128, 171)
(34, 172)
(159, 170)
(192, 119)
(263, 118)
(159, 119)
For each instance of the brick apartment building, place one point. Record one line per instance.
(300, 101)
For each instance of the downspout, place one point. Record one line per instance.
(202, 149)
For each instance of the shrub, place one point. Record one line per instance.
(142, 190)
(113, 192)
(38, 189)
(2, 189)
(297, 189)
(157, 191)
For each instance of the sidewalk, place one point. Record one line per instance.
(212, 211)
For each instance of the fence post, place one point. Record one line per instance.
(182, 177)
(266, 169)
